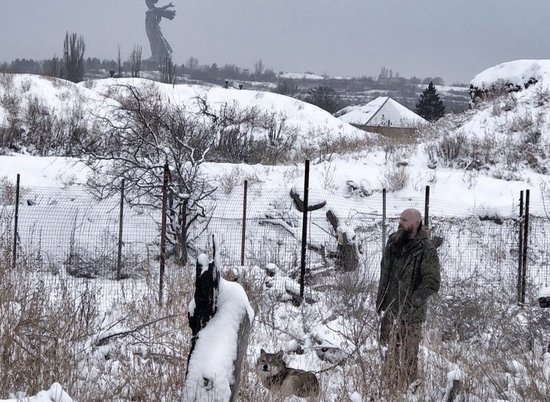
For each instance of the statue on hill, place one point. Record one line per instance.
(160, 48)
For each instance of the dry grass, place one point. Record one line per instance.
(137, 350)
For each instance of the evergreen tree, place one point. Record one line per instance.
(430, 106)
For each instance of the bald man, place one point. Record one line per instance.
(409, 275)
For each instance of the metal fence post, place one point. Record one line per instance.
(520, 247)
(525, 247)
(304, 231)
(15, 223)
(120, 229)
(243, 234)
(383, 219)
(427, 206)
(163, 230)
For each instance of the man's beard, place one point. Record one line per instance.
(402, 238)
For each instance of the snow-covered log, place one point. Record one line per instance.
(220, 317)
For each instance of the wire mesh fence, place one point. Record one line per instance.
(67, 233)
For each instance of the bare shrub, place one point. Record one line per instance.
(143, 355)
(504, 362)
(39, 122)
(26, 85)
(11, 101)
(505, 103)
(7, 191)
(43, 333)
(542, 96)
(328, 146)
(276, 141)
(450, 148)
(394, 178)
(522, 123)
(236, 178)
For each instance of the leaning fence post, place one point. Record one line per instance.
(304, 231)
(525, 247)
(15, 223)
(243, 234)
(520, 247)
(120, 229)
(163, 230)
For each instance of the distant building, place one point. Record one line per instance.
(383, 115)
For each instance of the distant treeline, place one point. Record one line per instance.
(214, 72)
(94, 66)
(349, 91)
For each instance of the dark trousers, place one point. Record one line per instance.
(402, 340)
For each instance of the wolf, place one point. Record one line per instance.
(286, 381)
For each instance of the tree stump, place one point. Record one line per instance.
(347, 257)
(220, 318)
(205, 300)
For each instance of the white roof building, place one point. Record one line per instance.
(381, 112)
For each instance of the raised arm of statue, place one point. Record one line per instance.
(165, 12)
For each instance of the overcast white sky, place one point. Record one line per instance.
(454, 39)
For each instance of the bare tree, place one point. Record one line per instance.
(119, 62)
(167, 71)
(287, 87)
(53, 67)
(324, 97)
(142, 134)
(135, 61)
(192, 64)
(259, 68)
(73, 57)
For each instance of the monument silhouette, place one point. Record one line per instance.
(160, 48)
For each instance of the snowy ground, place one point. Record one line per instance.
(335, 335)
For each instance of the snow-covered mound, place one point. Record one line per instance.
(506, 134)
(51, 95)
(382, 111)
(22, 93)
(311, 122)
(54, 394)
(519, 73)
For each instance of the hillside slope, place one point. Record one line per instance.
(31, 105)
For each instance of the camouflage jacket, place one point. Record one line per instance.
(408, 277)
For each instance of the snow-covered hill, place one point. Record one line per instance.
(23, 95)
(479, 159)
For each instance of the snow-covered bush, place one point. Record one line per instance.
(395, 178)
